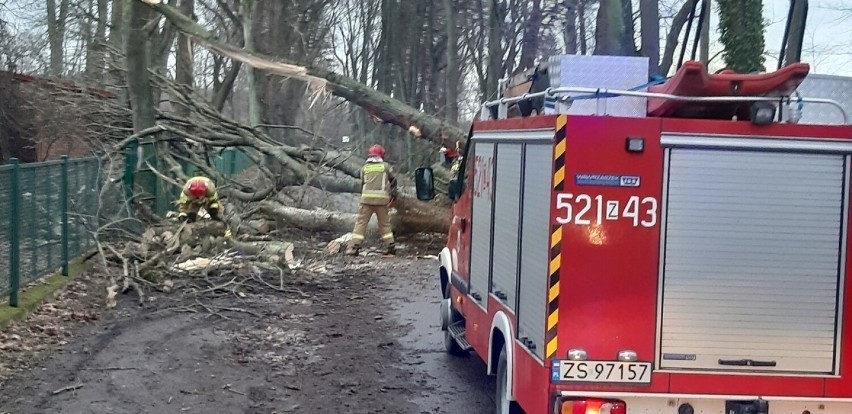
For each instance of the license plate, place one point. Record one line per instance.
(601, 371)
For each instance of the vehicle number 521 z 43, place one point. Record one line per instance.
(586, 210)
(601, 371)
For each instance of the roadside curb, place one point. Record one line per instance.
(36, 294)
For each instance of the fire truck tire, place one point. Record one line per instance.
(502, 405)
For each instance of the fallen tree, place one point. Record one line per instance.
(380, 106)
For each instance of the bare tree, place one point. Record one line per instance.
(56, 34)
(649, 11)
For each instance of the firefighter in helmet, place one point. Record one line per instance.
(198, 193)
(378, 194)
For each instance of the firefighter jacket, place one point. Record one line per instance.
(187, 203)
(378, 183)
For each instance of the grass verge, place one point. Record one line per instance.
(34, 295)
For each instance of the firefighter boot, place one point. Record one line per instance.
(391, 251)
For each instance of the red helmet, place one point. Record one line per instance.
(376, 151)
(198, 189)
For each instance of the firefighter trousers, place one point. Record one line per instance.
(365, 212)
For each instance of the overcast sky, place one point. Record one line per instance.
(828, 35)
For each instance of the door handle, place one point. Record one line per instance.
(501, 295)
(475, 295)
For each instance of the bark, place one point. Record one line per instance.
(531, 35)
(247, 12)
(185, 58)
(56, 35)
(610, 30)
(96, 53)
(628, 37)
(411, 217)
(584, 35)
(570, 34)
(793, 53)
(672, 38)
(138, 82)
(117, 30)
(224, 89)
(649, 15)
(452, 78)
(495, 53)
(380, 106)
(704, 42)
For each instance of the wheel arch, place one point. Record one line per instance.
(446, 269)
(501, 337)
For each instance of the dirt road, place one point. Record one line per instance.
(364, 339)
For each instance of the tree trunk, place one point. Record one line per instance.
(741, 34)
(56, 35)
(117, 29)
(95, 55)
(704, 42)
(247, 15)
(793, 53)
(628, 39)
(495, 53)
(610, 30)
(570, 34)
(531, 35)
(377, 104)
(138, 82)
(672, 38)
(649, 15)
(185, 57)
(584, 34)
(452, 78)
(412, 217)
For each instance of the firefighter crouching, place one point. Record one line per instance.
(198, 193)
(378, 193)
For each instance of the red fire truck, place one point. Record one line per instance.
(676, 248)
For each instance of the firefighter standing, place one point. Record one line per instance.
(198, 193)
(378, 193)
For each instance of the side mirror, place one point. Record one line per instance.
(424, 181)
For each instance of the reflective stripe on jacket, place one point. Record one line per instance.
(210, 201)
(377, 183)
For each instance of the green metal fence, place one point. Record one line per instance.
(47, 213)
(232, 162)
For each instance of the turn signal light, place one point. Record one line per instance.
(593, 406)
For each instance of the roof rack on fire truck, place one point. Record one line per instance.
(561, 93)
(606, 85)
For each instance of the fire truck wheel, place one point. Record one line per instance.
(501, 399)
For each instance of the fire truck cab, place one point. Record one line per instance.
(673, 248)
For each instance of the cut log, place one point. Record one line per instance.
(409, 217)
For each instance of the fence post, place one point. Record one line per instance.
(14, 236)
(63, 205)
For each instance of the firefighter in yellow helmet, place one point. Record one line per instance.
(378, 194)
(198, 193)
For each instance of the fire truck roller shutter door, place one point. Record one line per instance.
(507, 198)
(752, 260)
(535, 239)
(483, 202)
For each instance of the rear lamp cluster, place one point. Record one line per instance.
(591, 406)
